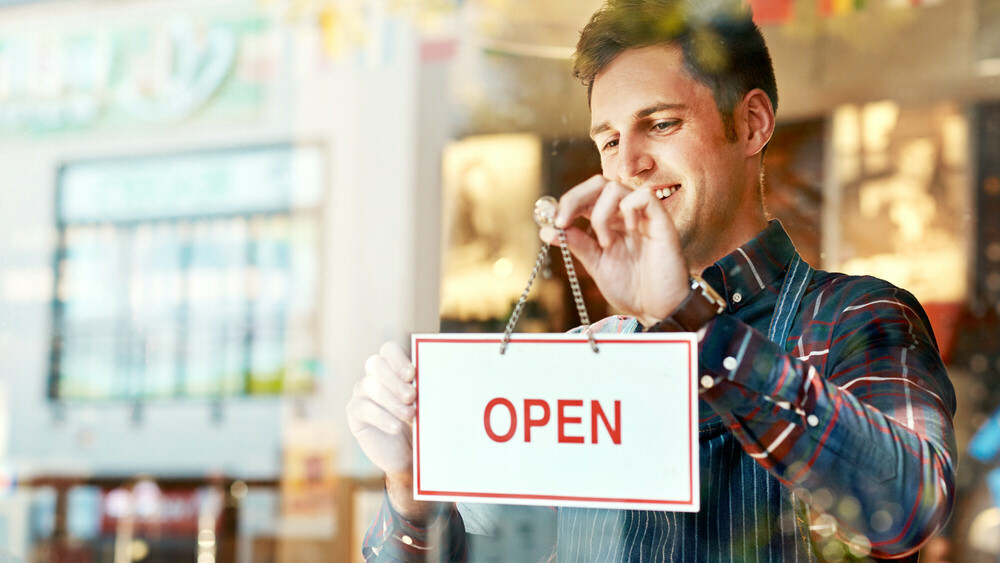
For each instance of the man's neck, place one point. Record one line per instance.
(700, 259)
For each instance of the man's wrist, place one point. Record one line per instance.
(696, 310)
(676, 295)
(399, 488)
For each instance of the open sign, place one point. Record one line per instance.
(597, 412)
(550, 422)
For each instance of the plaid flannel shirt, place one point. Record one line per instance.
(844, 432)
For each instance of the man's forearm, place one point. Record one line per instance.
(409, 530)
(873, 477)
(872, 450)
(399, 488)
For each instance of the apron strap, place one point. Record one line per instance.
(792, 290)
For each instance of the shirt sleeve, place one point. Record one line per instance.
(391, 538)
(858, 425)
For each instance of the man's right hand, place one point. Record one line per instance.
(380, 415)
(634, 253)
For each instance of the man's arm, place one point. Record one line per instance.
(392, 538)
(380, 415)
(869, 442)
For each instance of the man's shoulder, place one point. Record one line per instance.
(838, 281)
(837, 287)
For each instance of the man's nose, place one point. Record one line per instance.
(633, 162)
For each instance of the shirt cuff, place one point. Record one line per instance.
(739, 366)
(392, 537)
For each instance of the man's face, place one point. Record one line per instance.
(658, 129)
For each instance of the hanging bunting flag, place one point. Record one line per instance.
(771, 11)
(912, 3)
(838, 7)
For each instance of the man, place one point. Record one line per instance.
(825, 413)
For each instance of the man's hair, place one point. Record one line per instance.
(723, 48)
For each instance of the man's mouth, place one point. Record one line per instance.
(664, 193)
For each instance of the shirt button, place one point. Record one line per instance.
(737, 297)
(812, 420)
(730, 363)
(707, 381)
(407, 540)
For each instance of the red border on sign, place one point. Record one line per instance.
(416, 362)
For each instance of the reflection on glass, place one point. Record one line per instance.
(903, 174)
(490, 239)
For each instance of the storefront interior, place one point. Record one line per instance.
(214, 211)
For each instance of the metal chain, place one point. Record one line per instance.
(574, 284)
(524, 297)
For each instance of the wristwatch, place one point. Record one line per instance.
(701, 305)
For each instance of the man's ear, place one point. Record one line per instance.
(759, 118)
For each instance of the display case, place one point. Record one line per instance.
(187, 275)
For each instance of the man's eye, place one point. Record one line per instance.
(664, 125)
(610, 144)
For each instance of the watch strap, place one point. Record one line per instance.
(701, 305)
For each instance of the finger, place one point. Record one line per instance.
(398, 359)
(387, 399)
(585, 248)
(549, 236)
(364, 412)
(378, 370)
(643, 212)
(579, 200)
(606, 216)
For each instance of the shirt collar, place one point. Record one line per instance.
(746, 272)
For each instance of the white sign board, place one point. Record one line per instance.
(550, 422)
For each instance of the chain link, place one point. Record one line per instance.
(574, 285)
(514, 316)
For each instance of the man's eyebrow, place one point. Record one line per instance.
(655, 108)
(644, 112)
(598, 129)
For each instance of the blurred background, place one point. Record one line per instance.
(212, 211)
